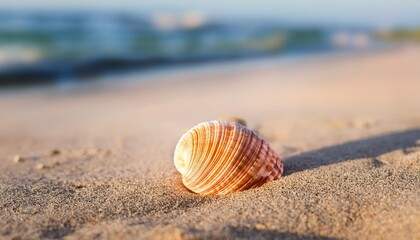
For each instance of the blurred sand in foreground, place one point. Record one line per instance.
(97, 162)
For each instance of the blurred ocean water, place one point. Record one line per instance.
(44, 47)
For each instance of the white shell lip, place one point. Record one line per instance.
(181, 165)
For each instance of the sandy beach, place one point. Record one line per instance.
(97, 162)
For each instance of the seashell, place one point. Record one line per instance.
(220, 157)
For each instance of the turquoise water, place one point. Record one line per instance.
(46, 47)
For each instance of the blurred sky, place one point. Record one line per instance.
(379, 13)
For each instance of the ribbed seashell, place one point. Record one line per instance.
(220, 157)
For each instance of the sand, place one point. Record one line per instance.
(96, 162)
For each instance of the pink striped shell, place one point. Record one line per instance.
(220, 157)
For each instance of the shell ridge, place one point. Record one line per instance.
(257, 176)
(212, 163)
(237, 161)
(201, 159)
(231, 158)
(196, 153)
(191, 140)
(219, 156)
(228, 150)
(250, 173)
(249, 154)
(196, 163)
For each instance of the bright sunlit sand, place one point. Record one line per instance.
(98, 162)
